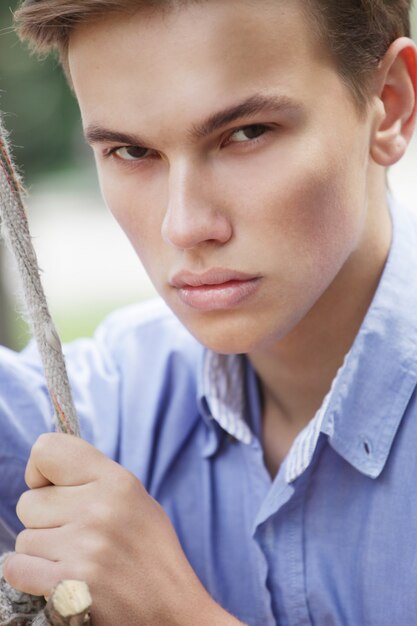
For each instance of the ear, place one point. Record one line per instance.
(396, 102)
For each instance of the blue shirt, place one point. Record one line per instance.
(332, 540)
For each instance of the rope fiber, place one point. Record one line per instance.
(18, 609)
(15, 230)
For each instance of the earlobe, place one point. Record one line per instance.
(397, 103)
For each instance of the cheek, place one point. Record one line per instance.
(335, 220)
(326, 216)
(305, 221)
(314, 208)
(331, 223)
(135, 211)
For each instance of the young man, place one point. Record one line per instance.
(264, 423)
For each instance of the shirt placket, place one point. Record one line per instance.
(280, 536)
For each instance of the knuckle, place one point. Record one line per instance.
(92, 545)
(23, 542)
(134, 482)
(42, 443)
(46, 444)
(129, 486)
(23, 506)
(98, 555)
(100, 513)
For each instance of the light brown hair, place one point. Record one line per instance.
(356, 32)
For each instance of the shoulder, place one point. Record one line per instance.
(153, 371)
(149, 316)
(146, 330)
(140, 347)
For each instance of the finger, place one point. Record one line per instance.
(52, 506)
(31, 574)
(62, 459)
(50, 544)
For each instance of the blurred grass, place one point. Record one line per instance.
(70, 325)
(84, 322)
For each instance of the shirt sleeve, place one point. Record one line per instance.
(26, 412)
(134, 390)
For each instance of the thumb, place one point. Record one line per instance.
(64, 460)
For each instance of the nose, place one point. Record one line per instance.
(193, 215)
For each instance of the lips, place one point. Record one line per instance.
(214, 289)
(211, 277)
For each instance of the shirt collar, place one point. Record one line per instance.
(380, 373)
(222, 396)
(369, 396)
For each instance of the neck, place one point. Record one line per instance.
(297, 372)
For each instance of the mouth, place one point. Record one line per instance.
(216, 289)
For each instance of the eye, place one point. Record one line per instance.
(248, 133)
(130, 153)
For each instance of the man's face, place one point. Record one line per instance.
(242, 215)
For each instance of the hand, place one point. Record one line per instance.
(88, 518)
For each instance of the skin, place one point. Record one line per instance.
(297, 200)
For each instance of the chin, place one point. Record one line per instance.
(242, 330)
(232, 345)
(228, 334)
(215, 332)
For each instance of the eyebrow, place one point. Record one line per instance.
(257, 103)
(97, 134)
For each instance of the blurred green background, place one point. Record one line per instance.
(88, 268)
(42, 113)
(85, 276)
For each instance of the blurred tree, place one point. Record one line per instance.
(42, 117)
(41, 112)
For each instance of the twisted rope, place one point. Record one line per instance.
(15, 231)
(18, 609)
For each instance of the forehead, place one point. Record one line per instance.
(194, 58)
